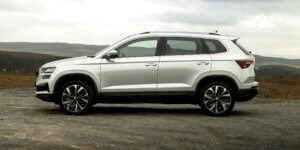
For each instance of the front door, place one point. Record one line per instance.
(135, 70)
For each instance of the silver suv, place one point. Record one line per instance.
(205, 69)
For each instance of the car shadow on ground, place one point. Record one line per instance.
(126, 110)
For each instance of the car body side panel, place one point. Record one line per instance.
(179, 72)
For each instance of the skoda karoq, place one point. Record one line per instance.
(205, 69)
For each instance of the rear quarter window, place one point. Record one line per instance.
(214, 46)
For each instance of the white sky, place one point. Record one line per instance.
(266, 27)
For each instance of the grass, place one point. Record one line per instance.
(269, 88)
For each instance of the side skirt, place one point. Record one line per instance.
(148, 97)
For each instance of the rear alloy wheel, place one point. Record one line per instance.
(217, 99)
(75, 97)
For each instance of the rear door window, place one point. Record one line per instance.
(183, 46)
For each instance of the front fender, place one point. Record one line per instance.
(87, 73)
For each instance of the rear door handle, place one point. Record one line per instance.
(150, 64)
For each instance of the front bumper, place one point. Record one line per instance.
(247, 94)
(42, 92)
(45, 97)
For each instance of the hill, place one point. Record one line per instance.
(57, 49)
(23, 62)
(72, 50)
(278, 71)
(27, 57)
(263, 61)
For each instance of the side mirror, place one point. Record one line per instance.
(111, 55)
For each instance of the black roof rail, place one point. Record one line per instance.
(210, 33)
(214, 33)
(145, 32)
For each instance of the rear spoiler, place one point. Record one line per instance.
(233, 39)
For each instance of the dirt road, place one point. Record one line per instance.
(28, 123)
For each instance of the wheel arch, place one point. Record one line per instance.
(223, 78)
(74, 76)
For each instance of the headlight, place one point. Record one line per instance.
(48, 70)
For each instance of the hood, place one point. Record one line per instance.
(68, 61)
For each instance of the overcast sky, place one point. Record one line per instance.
(266, 27)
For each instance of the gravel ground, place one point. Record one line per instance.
(28, 123)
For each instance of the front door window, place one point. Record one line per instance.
(139, 48)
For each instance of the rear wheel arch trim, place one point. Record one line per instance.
(222, 77)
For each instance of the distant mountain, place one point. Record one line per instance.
(278, 71)
(23, 62)
(33, 55)
(57, 49)
(265, 61)
(277, 67)
(72, 50)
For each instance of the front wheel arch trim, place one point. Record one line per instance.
(76, 76)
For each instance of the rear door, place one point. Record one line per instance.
(182, 61)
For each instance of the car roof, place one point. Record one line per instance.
(209, 35)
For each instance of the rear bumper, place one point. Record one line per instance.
(247, 94)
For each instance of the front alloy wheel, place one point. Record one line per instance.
(75, 97)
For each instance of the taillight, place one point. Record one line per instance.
(244, 63)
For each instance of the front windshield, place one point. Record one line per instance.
(99, 52)
(96, 54)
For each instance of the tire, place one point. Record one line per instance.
(216, 98)
(75, 97)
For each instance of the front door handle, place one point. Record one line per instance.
(203, 62)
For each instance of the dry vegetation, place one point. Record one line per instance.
(16, 80)
(277, 88)
(270, 88)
